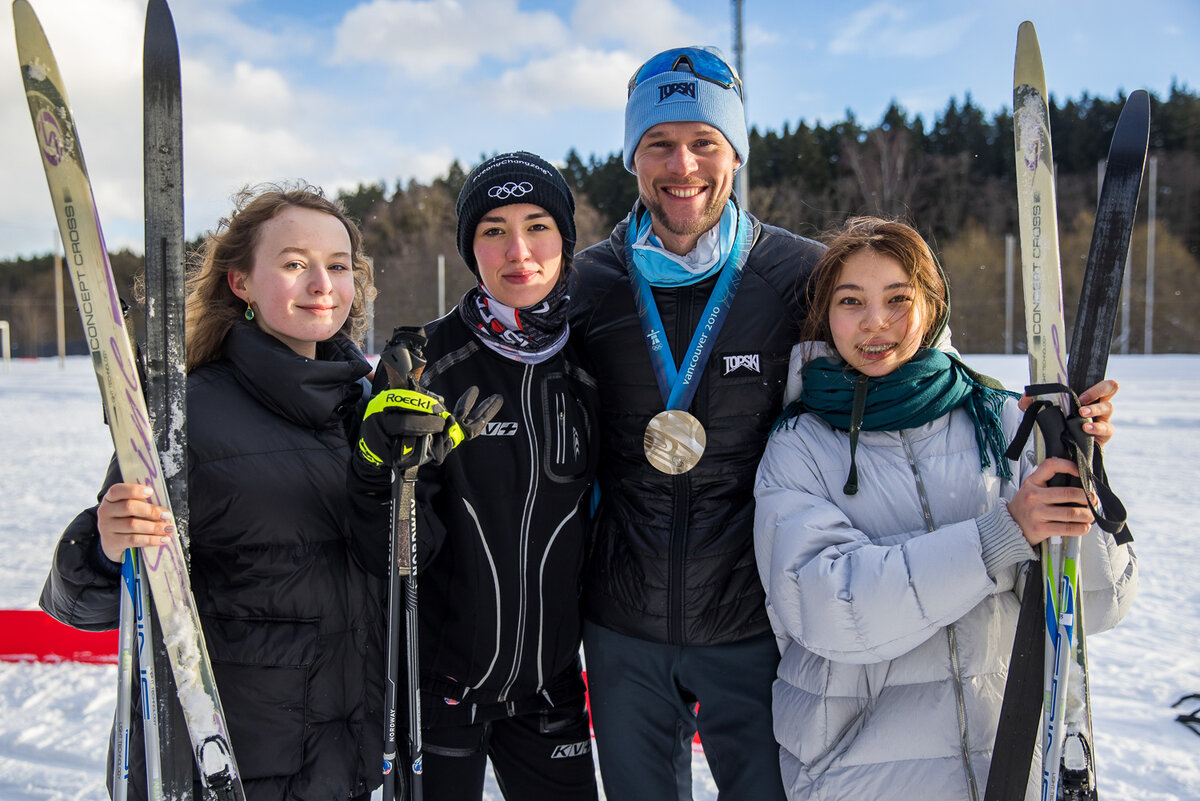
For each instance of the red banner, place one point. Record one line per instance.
(33, 636)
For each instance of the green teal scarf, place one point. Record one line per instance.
(927, 387)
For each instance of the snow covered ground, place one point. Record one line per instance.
(54, 719)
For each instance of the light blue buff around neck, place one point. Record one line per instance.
(661, 267)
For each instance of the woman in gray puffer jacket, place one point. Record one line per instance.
(892, 559)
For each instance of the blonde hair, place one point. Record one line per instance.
(889, 238)
(212, 308)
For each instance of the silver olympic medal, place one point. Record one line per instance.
(674, 441)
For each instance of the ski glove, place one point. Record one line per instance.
(408, 428)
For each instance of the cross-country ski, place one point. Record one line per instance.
(120, 387)
(699, 433)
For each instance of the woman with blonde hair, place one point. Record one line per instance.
(275, 390)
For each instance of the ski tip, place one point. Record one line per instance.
(161, 42)
(32, 44)
(22, 9)
(1027, 69)
(1138, 103)
(1131, 137)
(158, 15)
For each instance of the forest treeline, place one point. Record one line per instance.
(953, 179)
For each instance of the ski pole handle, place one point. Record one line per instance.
(404, 357)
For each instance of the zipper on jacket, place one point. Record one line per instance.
(964, 738)
(680, 487)
(675, 582)
(535, 472)
(912, 465)
(951, 641)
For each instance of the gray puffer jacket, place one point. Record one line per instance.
(895, 608)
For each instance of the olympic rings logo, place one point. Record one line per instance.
(510, 189)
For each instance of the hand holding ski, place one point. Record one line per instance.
(127, 519)
(1068, 767)
(120, 387)
(1044, 509)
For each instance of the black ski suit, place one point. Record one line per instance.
(501, 538)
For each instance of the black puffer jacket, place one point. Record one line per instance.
(293, 625)
(673, 556)
(502, 526)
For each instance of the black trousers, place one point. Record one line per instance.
(545, 754)
(644, 698)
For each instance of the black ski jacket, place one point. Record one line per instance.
(501, 527)
(673, 556)
(292, 623)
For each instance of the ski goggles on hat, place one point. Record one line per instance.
(702, 63)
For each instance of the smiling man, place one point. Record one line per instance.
(674, 611)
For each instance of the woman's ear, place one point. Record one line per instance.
(237, 284)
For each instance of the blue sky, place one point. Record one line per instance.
(341, 92)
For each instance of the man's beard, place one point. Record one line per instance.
(691, 226)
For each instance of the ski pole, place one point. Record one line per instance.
(403, 358)
(125, 651)
(149, 686)
(135, 643)
(404, 526)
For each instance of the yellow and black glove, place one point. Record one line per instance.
(407, 428)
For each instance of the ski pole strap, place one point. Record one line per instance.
(1065, 438)
(1189, 719)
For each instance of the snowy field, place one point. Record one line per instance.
(54, 719)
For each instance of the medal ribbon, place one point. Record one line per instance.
(678, 386)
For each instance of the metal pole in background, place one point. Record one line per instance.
(5, 351)
(1152, 219)
(369, 339)
(742, 179)
(441, 285)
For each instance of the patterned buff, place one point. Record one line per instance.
(530, 335)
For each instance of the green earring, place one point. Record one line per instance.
(249, 315)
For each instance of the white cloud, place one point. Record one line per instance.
(426, 37)
(572, 79)
(643, 26)
(245, 121)
(216, 32)
(886, 29)
(757, 36)
(98, 49)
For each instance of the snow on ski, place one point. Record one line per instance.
(116, 371)
(1075, 772)
(166, 374)
(1045, 331)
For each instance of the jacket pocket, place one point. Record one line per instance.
(566, 430)
(261, 667)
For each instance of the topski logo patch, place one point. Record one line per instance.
(743, 364)
(677, 92)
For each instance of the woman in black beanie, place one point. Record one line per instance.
(502, 522)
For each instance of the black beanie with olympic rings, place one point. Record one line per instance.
(509, 178)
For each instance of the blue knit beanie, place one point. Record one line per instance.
(680, 96)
